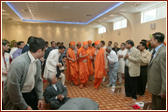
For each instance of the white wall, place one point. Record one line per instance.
(143, 30)
(50, 32)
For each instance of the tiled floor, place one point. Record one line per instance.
(105, 97)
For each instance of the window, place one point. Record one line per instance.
(155, 13)
(101, 30)
(120, 24)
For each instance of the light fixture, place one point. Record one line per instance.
(135, 4)
(3, 10)
(105, 18)
(123, 10)
(112, 15)
(62, 22)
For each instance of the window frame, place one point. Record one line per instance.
(149, 9)
(114, 24)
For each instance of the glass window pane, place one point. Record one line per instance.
(101, 30)
(124, 23)
(161, 12)
(118, 25)
(150, 15)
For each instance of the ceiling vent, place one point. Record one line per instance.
(135, 4)
(25, 10)
(88, 15)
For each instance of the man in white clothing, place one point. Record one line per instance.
(53, 61)
(121, 54)
(113, 66)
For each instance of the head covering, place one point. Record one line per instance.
(79, 42)
(97, 42)
(72, 43)
(85, 43)
(89, 41)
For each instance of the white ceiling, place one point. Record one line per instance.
(70, 11)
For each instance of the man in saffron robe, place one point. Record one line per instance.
(83, 54)
(79, 45)
(72, 66)
(100, 64)
(90, 59)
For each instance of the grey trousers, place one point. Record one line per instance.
(113, 70)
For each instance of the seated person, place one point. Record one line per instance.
(55, 94)
(60, 70)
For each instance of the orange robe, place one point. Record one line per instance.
(90, 62)
(72, 68)
(83, 66)
(99, 64)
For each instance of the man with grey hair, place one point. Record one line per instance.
(56, 93)
(113, 66)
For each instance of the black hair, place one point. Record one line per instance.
(58, 43)
(116, 43)
(137, 46)
(52, 42)
(103, 42)
(130, 42)
(36, 44)
(19, 43)
(64, 56)
(143, 44)
(143, 40)
(4, 42)
(93, 44)
(110, 42)
(159, 37)
(29, 39)
(46, 42)
(62, 47)
(62, 42)
(123, 44)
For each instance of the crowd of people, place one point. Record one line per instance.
(22, 82)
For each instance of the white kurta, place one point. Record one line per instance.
(121, 60)
(51, 62)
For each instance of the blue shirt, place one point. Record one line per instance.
(17, 53)
(157, 48)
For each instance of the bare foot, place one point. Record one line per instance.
(138, 95)
(133, 99)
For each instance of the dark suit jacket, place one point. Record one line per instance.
(157, 72)
(58, 70)
(50, 93)
(116, 49)
(25, 49)
(47, 52)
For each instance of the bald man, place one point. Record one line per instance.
(83, 54)
(72, 65)
(100, 64)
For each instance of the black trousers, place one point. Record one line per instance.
(31, 99)
(142, 80)
(130, 84)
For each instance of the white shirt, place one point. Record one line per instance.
(55, 87)
(104, 47)
(112, 57)
(30, 80)
(12, 51)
